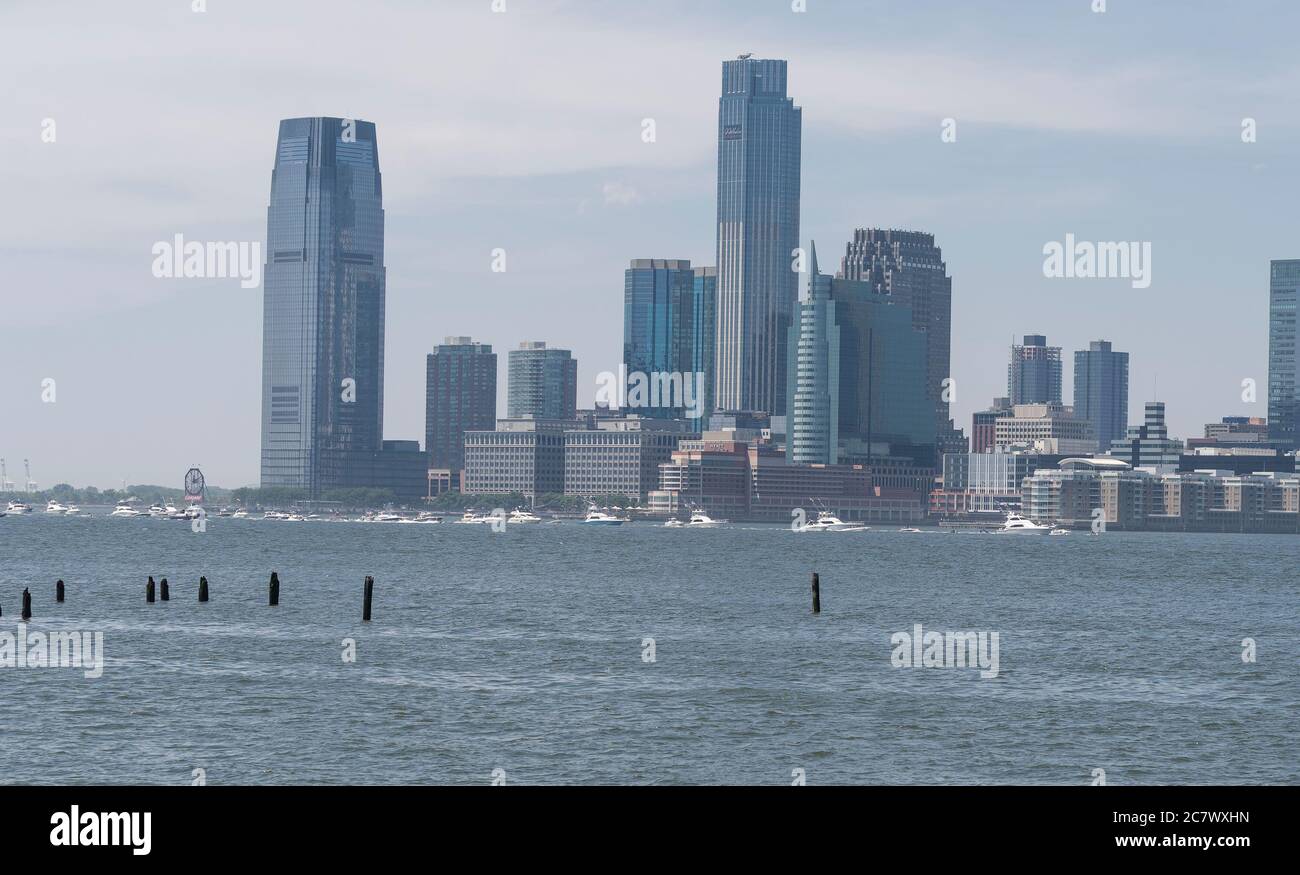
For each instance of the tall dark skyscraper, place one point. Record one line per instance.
(1034, 375)
(909, 267)
(668, 329)
(857, 377)
(542, 383)
(323, 316)
(1101, 391)
(1283, 354)
(759, 131)
(460, 396)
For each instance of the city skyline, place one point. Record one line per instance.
(99, 325)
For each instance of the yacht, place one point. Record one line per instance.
(1059, 532)
(470, 518)
(523, 516)
(387, 517)
(701, 520)
(72, 510)
(910, 530)
(175, 513)
(18, 507)
(275, 515)
(674, 524)
(1019, 525)
(829, 522)
(424, 518)
(240, 514)
(599, 518)
(53, 506)
(157, 510)
(124, 508)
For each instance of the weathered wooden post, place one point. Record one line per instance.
(817, 593)
(27, 605)
(148, 590)
(58, 591)
(203, 589)
(370, 592)
(165, 594)
(275, 589)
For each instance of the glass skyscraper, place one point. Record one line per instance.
(460, 396)
(1283, 361)
(1034, 375)
(857, 378)
(759, 130)
(542, 383)
(668, 329)
(323, 307)
(1101, 391)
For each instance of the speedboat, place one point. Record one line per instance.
(18, 507)
(275, 515)
(53, 506)
(674, 524)
(72, 510)
(523, 516)
(157, 510)
(599, 518)
(829, 522)
(1019, 525)
(387, 518)
(124, 508)
(910, 530)
(1059, 532)
(470, 518)
(701, 520)
(175, 513)
(240, 514)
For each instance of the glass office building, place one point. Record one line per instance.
(857, 380)
(1034, 375)
(1283, 361)
(460, 396)
(668, 325)
(542, 383)
(759, 130)
(1101, 391)
(323, 308)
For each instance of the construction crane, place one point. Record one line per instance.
(6, 485)
(31, 484)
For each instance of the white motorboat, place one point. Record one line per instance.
(72, 510)
(1059, 532)
(829, 522)
(240, 514)
(600, 518)
(523, 516)
(53, 506)
(18, 507)
(470, 518)
(124, 509)
(1019, 525)
(674, 524)
(701, 520)
(910, 530)
(388, 518)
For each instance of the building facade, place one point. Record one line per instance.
(909, 267)
(1034, 374)
(857, 377)
(1149, 445)
(984, 425)
(759, 136)
(529, 462)
(1046, 428)
(542, 383)
(323, 314)
(620, 457)
(1283, 355)
(669, 325)
(460, 396)
(1101, 390)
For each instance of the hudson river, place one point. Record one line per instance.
(525, 654)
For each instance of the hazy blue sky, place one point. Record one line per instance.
(522, 130)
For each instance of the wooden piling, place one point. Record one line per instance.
(148, 591)
(58, 591)
(166, 596)
(203, 589)
(275, 589)
(27, 605)
(817, 593)
(370, 592)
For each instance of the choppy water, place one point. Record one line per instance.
(522, 651)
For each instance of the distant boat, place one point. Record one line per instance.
(72, 510)
(1059, 532)
(125, 509)
(701, 520)
(18, 507)
(599, 518)
(523, 516)
(829, 522)
(53, 506)
(470, 518)
(387, 518)
(910, 530)
(240, 514)
(1019, 525)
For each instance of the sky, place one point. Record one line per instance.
(522, 130)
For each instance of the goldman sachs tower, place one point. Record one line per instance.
(759, 131)
(323, 316)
